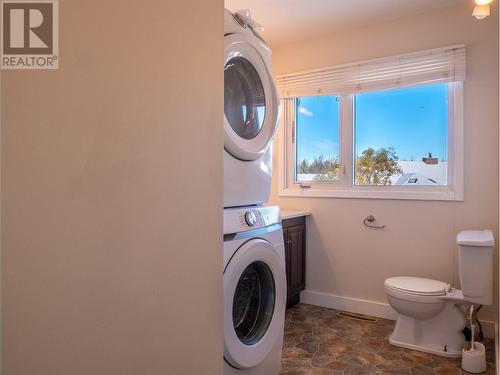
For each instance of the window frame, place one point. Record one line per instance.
(345, 186)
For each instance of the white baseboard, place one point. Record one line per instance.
(366, 307)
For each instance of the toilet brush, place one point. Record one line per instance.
(473, 354)
(472, 339)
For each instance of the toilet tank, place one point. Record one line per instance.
(475, 262)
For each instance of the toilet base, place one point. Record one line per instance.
(440, 334)
(448, 354)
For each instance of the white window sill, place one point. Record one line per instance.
(376, 193)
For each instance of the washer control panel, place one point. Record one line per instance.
(248, 218)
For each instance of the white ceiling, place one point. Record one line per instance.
(287, 21)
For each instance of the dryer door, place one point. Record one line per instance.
(254, 303)
(251, 105)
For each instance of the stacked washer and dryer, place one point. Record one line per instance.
(254, 259)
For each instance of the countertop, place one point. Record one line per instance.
(290, 214)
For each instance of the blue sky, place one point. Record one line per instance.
(412, 120)
(318, 127)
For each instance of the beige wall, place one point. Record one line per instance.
(112, 189)
(343, 257)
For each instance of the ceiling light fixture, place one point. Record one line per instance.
(481, 11)
(483, 2)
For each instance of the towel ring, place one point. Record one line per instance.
(369, 222)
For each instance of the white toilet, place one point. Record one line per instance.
(431, 313)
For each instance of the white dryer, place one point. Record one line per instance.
(251, 111)
(254, 291)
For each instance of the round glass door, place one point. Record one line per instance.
(251, 104)
(253, 303)
(244, 98)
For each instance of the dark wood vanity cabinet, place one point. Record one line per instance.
(294, 232)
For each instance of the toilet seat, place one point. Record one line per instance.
(416, 289)
(418, 285)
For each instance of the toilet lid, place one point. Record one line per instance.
(418, 285)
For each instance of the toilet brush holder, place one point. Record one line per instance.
(474, 361)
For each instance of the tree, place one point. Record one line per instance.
(323, 169)
(303, 166)
(375, 167)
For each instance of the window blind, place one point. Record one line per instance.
(439, 65)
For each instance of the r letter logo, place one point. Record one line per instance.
(29, 34)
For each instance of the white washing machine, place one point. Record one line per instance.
(251, 112)
(254, 291)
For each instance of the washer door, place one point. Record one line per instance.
(251, 105)
(254, 303)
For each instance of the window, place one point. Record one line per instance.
(317, 141)
(401, 136)
(396, 142)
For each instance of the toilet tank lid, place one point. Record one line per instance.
(478, 238)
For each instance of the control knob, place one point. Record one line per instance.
(250, 218)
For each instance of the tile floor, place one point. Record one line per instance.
(318, 342)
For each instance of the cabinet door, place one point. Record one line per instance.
(287, 258)
(295, 241)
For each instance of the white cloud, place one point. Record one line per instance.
(306, 112)
(326, 146)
